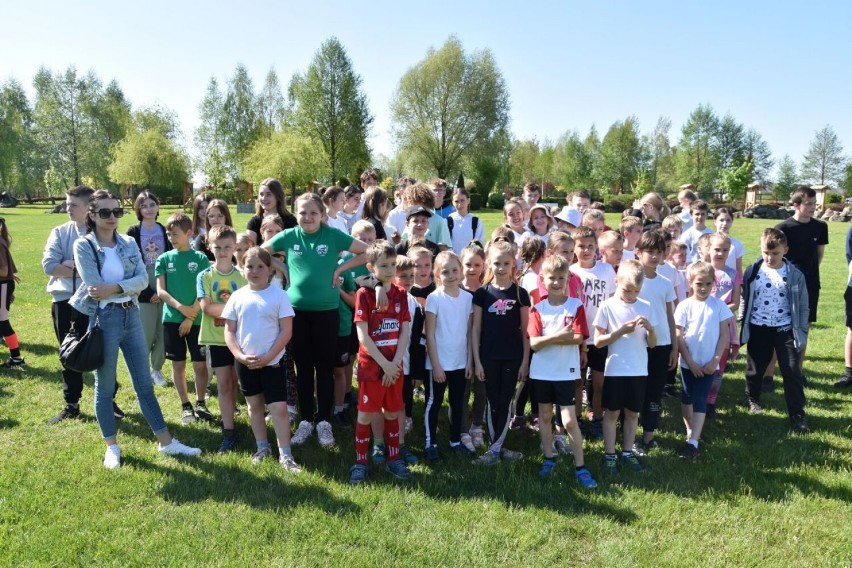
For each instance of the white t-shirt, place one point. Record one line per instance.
(463, 231)
(700, 323)
(451, 327)
(598, 285)
(676, 278)
(338, 223)
(556, 362)
(628, 255)
(658, 292)
(257, 314)
(686, 219)
(413, 306)
(529, 281)
(690, 239)
(627, 356)
(532, 234)
(112, 272)
(397, 220)
(737, 251)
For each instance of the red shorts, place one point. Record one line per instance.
(374, 397)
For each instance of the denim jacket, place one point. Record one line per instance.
(59, 248)
(797, 295)
(135, 275)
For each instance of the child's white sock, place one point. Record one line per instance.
(262, 444)
(285, 451)
(693, 442)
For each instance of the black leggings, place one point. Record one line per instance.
(435, 399)
(501, 378)
(658, 370)
(314, 345)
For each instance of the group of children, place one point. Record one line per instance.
(550, 311)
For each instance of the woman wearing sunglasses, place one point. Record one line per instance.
(113, 274)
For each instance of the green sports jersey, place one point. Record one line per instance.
(312, 260)
(181, 269)
(217, 287)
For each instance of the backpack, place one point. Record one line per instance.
(474, 225)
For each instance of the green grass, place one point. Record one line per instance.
(756, 496)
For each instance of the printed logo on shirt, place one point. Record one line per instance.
(170, 267)
(295, 251)
(295, 247)
(322, 250)
(192, 266)
(595, 291)
(364, 399)
(387, 326)
(397, 307)
(501, 307)
(360, 312)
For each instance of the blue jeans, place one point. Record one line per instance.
(122, 329)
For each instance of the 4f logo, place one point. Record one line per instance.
(501, 307)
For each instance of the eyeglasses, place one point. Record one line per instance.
(105, 213)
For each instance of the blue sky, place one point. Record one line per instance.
(779, 67)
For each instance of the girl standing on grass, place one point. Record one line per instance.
(727, 285)
(723, 221)
(473, 265)
(311, 250)
(541, 223)
(199, 216)
(259, 324)
(113, 274)
(217, 214)
(448, 316)
(150, 237)
(8, 279)
(500, 345)
(270, 201)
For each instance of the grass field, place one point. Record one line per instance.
(756, 496)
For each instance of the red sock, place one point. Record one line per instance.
(362, 442)
(392, 438)
(12, 341)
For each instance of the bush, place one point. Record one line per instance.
(475, 202)
(231, 196)
(834, 197)
(496, 200)
(557, 195)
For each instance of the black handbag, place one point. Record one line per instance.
(83, 352)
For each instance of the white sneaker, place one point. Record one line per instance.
(158, 378)
(325, 435)
(175, 448)
(467, 442)
(409, 425)
(288, 463)
(561, 445)
(304, 430)
(477, 436)
(112, 457)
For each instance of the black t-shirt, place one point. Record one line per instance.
(422, 292)
(803, 240)
(380, 229)
(402, 247)
(501, 338)
(255, 222)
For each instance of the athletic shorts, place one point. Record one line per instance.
(624, 393)
(342, 357)
(354, 344)
(554, 392)
(268, 381)
(220, 356)
(847, 298)
(176, 346)
(597, 358)
(375, 397)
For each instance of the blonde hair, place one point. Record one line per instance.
(362, 226)
(700, 268)
(672, 221)
(555, 265)
(628, 223)
(590, 215)
(630, 272)
(443, 258)
(495, 250)
(607, 238)
(657, 203)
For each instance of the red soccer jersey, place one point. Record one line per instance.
(573, 289)
(383, 326)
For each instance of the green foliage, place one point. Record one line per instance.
(210, 137)
(242, 125)
(697, 159)
(271, 106)
(735, 179)
(17, 144)
(620, 156)
(475, 202)
(293, 159)
(834, 197)
(824, 162)
(788, 179)
(496, 200)
(331, 107)
(147, 159)
(448, 104)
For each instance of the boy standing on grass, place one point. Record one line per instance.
(699, 210)
(702, 336)
(177, 272)
(215, 286)
(624, 324)
(384, 338)
(774, 313)
(557, 328)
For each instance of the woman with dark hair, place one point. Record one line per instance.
(376, 210)
(113, 274)
(270, 201)
(150, 237)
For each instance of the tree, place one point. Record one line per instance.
(757, 149)
(159, 118)
(620, 156)
(271, 106)
(730, 141)
(210, 136)
(697, 158)
(735, 179)
(522, 162)
(331, 107)
(572, 165)
(242, 125)
(824, 162)
(293, 159)
(147, 158)
(788, 180)
(661, 158)
(16, 138)
(592, 153)
(448, 103)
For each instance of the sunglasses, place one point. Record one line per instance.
(105, 213)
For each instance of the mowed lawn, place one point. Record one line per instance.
(756, 496)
